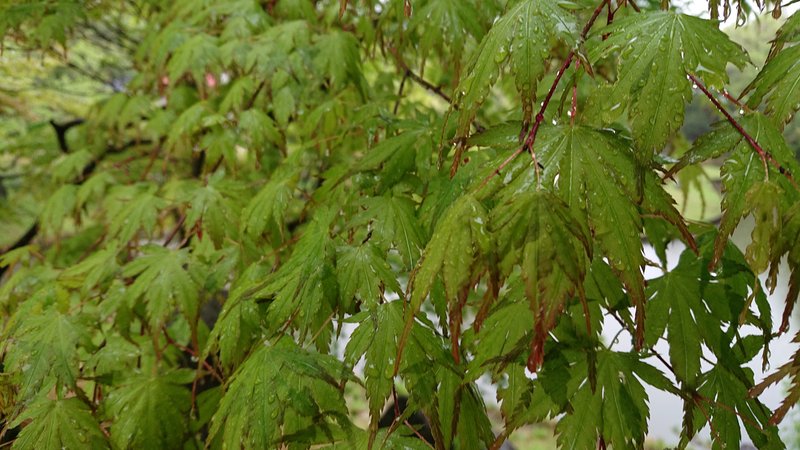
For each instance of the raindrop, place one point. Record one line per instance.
(694, 85)
(555, 122)
(741, 111)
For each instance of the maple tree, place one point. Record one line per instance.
(253, 209)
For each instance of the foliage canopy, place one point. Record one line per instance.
(244, 213)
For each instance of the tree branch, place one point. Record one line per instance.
(408, 73)
(61, 132)
(33, 230)
(765, 155)
(531, 137)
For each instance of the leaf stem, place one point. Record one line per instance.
(765, 155)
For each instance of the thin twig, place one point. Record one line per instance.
(418, 79)
(191, 352)
(175, 230)
(531, 137)
(573, 110)
(765, 155)
(408, 73)
(400, 93)
(734, 100)
(253, 97)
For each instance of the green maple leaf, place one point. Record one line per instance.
(625, 411)
(453, 251)
(97, 268)
(165, 282)
(363, 273)
(509, 321)
(394, 224)
(60, 206)
(376, 338)
(239, 322)
(615, 408)
(305, 287)
(151, 411)
(658, 49)
(578, 431)
(744, 177)
(338, 57)
(394, 158)
(278, 393)
(58, 424)
(514, 394)
(739, 409)
(538, 231)
(763, 202)
(46, 350)
(443, 23)
(117, 355)
(267, 210)
(779, 81)
(258, 128)
(389, 441)
(523, 36)
(195, 55)
(132, 208)
(675, 301)
(786, 244)
(594, 172)
(215, 206)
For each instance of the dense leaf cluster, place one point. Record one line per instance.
(272, 208)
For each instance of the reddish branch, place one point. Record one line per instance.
(193, 354)
(765, 155)
(401, 63)
(531, 137)
(734, 100)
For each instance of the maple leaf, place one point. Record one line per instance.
(46, 350)
(743, 169)
(239, 323)
(266, 210)
(741, 411)
(132, 208)
(394, 225)
(593, 171)
(363, 273)
(278, 394)
(305, 287)
(455, 253)
(779, 81)
(615, 408)
(165, 278)
(151, 411)
(377, 339)
(58, 424)
(674, 304)
(538, 231)
(657, 50)
(446, 22)
(523, 36)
